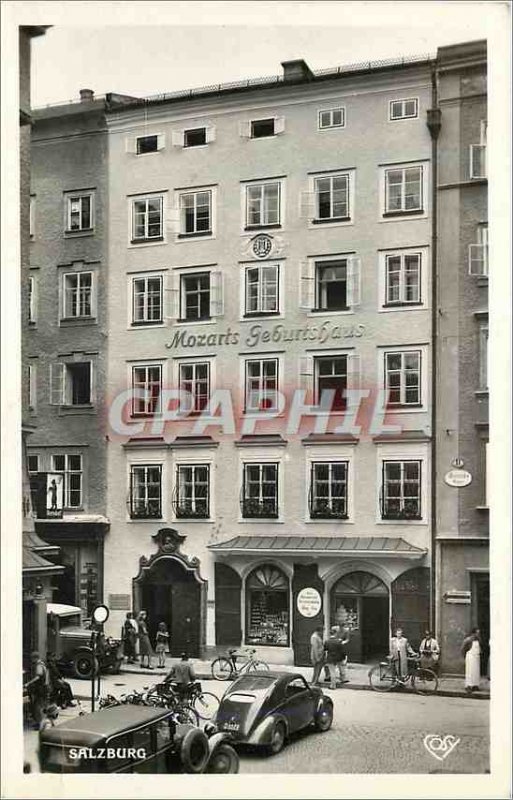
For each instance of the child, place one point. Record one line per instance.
(161, 641)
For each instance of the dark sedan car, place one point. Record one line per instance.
(264, 708)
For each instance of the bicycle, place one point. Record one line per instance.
(226, 667)
(162, 696)
(384, 677)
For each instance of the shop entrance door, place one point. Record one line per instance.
(375, 612)
(172, 595)
(359, 602)
(481, 613)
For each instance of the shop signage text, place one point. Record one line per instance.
(309, 602)
(458, 478)
(258, 334)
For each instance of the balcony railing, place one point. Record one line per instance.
(151, 510)
(328, 509)
(188, 510)
(409, 510)
(259, 509)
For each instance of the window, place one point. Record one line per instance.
(145, 491)
(147, 300)
(33, 464)
(71, 468)
(147, 144)
(328, 490)
(195, 137)
(332, 198)
(478, 165)
(80, 212)
(77, 295)
(147, 218)
(261, 384)
(194, 378)
(403, 190)
(32, 300)
(401, 490)
(331, 375)
(331, 285)
(267, 612)
(195, 213)
(260, 491)
(402, 378)
(483, 357)
(71, 383)
(192, 491)
(332, 118)
(402, 278)
(149, 380)
(195, 296)
(478, 253)
(262, 127)
(404, 109)
(262, 289)
(263, 204)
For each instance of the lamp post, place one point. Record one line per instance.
(100, 615)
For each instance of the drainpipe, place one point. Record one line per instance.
(434, 123)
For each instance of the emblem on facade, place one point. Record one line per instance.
(168, 540)
(262, 245)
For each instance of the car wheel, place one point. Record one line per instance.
(194, 751)
(277, 739)
(324, 718)
(223, 761)
(84, 665)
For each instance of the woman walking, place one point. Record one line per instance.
(429, 652)
(161, 643)
(129, 638)
(145, 650)
(471, 649)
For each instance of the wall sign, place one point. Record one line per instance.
(309, 602)
(54, 495)
(458, 478)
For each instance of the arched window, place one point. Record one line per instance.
(267, 607)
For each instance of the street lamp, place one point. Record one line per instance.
(100, 615)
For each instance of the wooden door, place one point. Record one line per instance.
(186, 618)
(410, 604)
(228, 586)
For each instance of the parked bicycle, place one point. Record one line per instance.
(229, 666)
(384, 677)
(164, 696)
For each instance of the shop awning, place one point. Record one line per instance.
(362, 546)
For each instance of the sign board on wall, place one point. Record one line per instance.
(309, 602)
(54, 495)
(458, 478)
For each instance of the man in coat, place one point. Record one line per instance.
(334, 654)
(317, 653)
(400, 649)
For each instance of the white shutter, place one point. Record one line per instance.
(307, 285)
(306, 371)
(173, 295)
(161, 141)
(353, 371)
(177, 138)
(94, 294)
(216, 294)
(57, 384)
(307, 205)
(210, 134)
(245, 129)
(353, 277)
(92, 383)
(173, 216)
(279, 125)
(131, 144)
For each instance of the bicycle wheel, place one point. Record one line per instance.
(222, 669)
(253, 666)
(382, 677)
(185, 715)
(205, 704)
(424, 681)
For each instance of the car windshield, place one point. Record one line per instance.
(254, 683)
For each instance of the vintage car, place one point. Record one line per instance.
(134, 739)
(265, 708)
(70, 641)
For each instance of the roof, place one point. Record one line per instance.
(33, 562)
(91, 729)
(326, 545)
(32, 540)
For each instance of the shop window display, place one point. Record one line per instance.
(267, 605)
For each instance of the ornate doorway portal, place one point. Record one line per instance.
(171, 590)
(360, 602)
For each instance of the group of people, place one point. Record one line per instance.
(137, 643)
(47, 690)
(329, 654)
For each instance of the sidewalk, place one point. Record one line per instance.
(448, 685)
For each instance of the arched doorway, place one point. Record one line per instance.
(267, 606)
(360, 602)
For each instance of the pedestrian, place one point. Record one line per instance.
(39, 690)
(400, 649)
(161, 643)
(129, 637)
(332, 648)
(182, 674)
(343, 635)
(60, 690)
(429, 650)
(144, 639)
(317, 653)
(471, 649)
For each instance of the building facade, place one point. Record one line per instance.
(462, 351)
(269, 255)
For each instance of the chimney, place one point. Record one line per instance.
(296, 71)
(86, 95)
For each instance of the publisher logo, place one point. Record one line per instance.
(440, 746)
